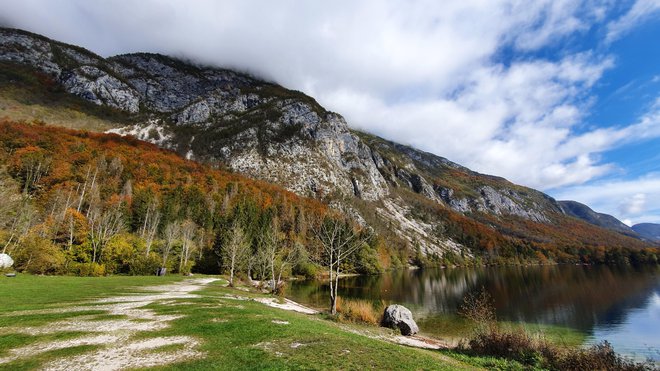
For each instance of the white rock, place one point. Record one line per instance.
(6, 261)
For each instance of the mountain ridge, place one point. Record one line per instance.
(584, 212)
(648, 230)
(423, 202)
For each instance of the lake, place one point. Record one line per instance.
(617, 304)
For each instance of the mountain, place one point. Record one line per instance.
(648, 230)
(584, 212)
(427, 207)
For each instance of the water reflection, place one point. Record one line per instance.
(599, 301)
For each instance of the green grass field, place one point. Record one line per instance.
(38, 313)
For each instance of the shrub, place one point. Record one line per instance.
(87, 269)
(479, 308)
(515, 345)
(39, 255)
(519, 346)
(144, 265)
(305, 269)
(358, 311)
(599, 357)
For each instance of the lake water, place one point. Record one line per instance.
(617, 304)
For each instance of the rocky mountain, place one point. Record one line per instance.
(428, 206)
(584, 212)
(648, 230)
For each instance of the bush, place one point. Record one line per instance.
(599, 357)
(479, 308)
(87, 269)
(305, 269)
(520, 346)
(514, 345)
(144, 265)
(358, 311)
(39, 255)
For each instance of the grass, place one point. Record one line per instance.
(233, 334)
(28, 96)
(249, 339)
(353, 310)
(27, 292)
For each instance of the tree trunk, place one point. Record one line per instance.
(273, 285)
(231, 272)
(333, 297)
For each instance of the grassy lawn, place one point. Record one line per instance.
(249, 335)
(231, 333)
(26, 292)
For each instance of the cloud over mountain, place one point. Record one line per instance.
(497, 86)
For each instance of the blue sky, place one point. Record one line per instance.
(559, 95)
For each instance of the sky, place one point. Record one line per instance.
(562, 96)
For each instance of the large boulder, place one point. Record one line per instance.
(6, 261)
(398, 316)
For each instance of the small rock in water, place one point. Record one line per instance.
(398, 316)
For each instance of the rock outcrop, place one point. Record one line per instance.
(399, 317)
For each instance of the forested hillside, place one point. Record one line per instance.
(92, 204)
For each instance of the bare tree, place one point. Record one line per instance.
(170, 235)
(24, 218)
(235, 249)
(288, 256)
(188, 233)
(270, 241)
(150, 224)
(103, 225)
(338, 240)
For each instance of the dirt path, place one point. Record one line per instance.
(119, 349)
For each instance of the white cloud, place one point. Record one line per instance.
(633, 205)
(641, 11)
(424, 72)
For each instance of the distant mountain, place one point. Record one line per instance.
(584, 212)
(425, 206)
(648, 230)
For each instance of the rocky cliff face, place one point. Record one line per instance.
(79, 71)
(283, 136)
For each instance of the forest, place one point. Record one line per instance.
(90, 204)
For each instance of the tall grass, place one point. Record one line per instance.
(353, 310)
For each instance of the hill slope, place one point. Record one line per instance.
(427, 207)
(584, 212)
(648, 230)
